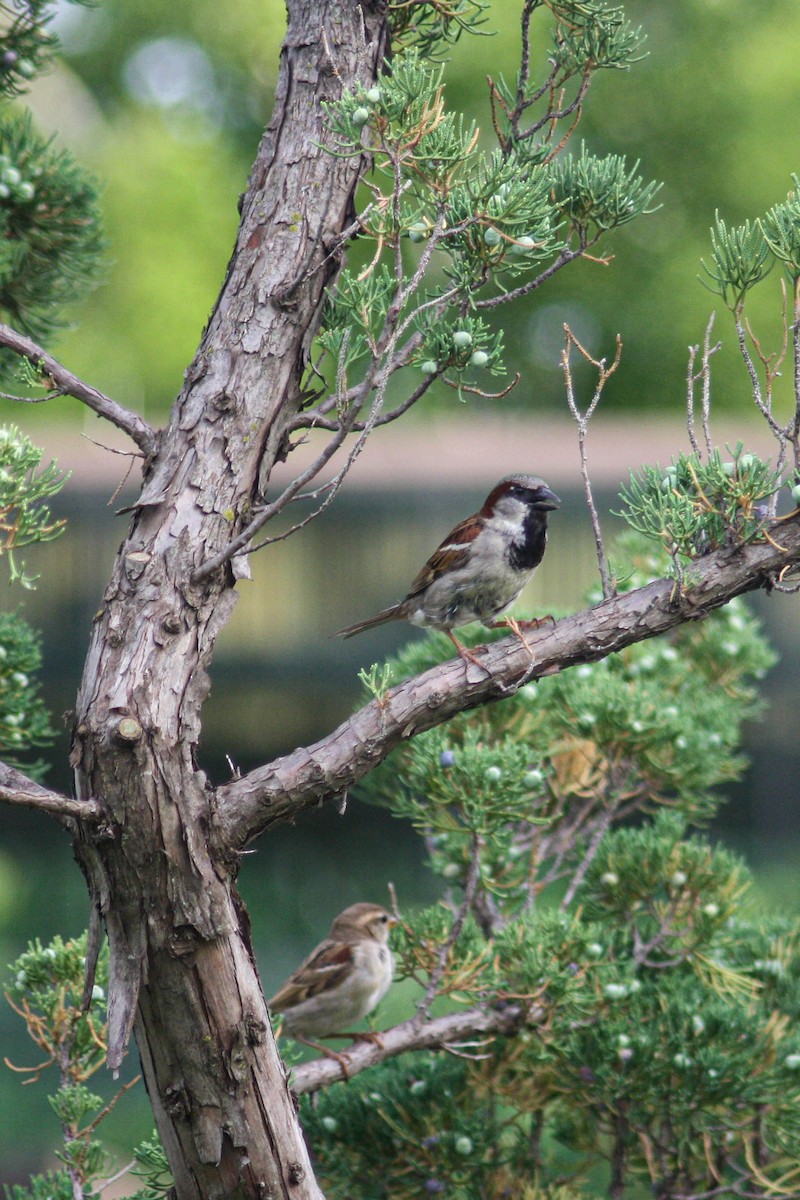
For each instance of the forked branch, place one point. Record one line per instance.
(582, 420)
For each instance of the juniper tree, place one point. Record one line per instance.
(593, 993)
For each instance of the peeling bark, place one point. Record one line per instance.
(181, 966)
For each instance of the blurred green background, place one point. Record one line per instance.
(166, 103)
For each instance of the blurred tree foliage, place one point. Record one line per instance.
(182, 92)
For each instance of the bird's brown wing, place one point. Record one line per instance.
(325, 968)
(451, 554)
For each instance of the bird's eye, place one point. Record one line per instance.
(383, 919)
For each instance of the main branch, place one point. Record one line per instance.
(312, 774)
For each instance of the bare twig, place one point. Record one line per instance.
(68, 384)
(566, 256)
(473, 875)
(582, 420)
(702, 376)
(601, 828)
(763, 402)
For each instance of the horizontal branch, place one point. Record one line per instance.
(16, 788)
(433, 1034)
(310, 775)
(70, 385)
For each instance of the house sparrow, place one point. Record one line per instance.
(342, 980)
(481, 566)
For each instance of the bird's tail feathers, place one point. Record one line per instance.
(387, 614)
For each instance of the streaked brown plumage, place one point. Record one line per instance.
(481, 566)
(343, 979)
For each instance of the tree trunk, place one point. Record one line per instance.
(181, 963)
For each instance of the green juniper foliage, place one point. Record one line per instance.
(24, 720)
(432, 25)
(25, 519)
(658, 1024)
(458, 227)
(740, 258)
(695, 506)
(24, 487)
(50, 237)
(781, 230)
(26, 45)
(46, 987)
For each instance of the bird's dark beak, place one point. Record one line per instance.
(547, 500)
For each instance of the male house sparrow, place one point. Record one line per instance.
(342, 980)
(481, 566)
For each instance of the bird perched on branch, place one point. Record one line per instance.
(481, 566)
(341, 981)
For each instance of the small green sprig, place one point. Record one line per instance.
(502, 216)
(26, 45)
(740, 258)
(24, 487)
(24, 720)
(46, 988)
(377, 680)
(153, 1168)
(459, 346)
(51, 242)
(781, 230)
(460, 781)
(595, 37)
(430, 26)
(696, 506)
(354, 313)
(596, 193)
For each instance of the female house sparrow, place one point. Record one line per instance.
(342, 980)
(481, 566)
